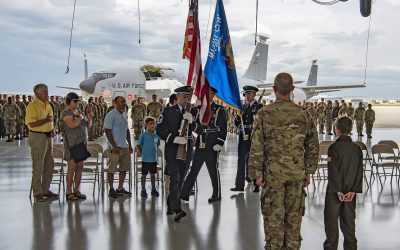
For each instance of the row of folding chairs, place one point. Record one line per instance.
(94, 168)
(383, 158)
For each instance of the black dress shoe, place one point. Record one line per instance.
(214, 199)
(256, 189)
(180, 215)
(185, 198)
(169, 212)
(237, 189)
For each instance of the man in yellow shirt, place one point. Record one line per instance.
(39, 119)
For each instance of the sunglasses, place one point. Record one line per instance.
(76, 100)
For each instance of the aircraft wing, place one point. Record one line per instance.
(62, 87)
(270, 84)
(331, 87)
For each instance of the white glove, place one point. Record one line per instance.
(188, 116)
(180, 140)
(217, 147)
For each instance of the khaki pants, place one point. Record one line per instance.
(42, 162)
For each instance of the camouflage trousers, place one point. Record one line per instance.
(10, 126)
(359, 126)
(20, 127)
(282, 207)
(321, 125)
(137, 129)
(368, 128)
(328, 126)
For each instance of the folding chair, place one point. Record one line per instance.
(392, 144)
(99, 149)
(58, 171)
(367, 159)
(91, 168)
(322, 165)
(383, 157)
(104, 169)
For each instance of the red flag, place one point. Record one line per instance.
(196, 77)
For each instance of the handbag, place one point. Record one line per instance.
(79, 151)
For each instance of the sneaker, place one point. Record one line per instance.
(238, 189)
(51, 195)
(112, 193)
(143, 193)
(180, 215)
(123, 192)
(39, 198)
(155, 193)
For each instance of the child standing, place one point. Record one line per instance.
(149, 142)
(345, 177)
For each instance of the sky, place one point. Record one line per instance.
(35, 39)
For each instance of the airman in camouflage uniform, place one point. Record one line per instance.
(328, 118)
(20, 129)
(359, 117)
(26, 102)
(154, 108)
(2, 128)
(137, 114)
(91, 108)
(344, 111)
(313, 112)
(10, 114)
(350, 110)
(283, 155)
(104, 107)
(321, 117)
(369, 119)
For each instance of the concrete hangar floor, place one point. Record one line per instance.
(134, 223)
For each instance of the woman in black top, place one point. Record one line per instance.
(75, 132)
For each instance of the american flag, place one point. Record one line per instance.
(196, 77)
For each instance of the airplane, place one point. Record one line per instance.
(257, 71)
(130, 82)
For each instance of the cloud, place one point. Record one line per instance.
(35, 39)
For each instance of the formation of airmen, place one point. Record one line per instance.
(325, 114)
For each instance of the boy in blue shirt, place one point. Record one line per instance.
(149, 142)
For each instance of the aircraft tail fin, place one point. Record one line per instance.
(257, 69)
(312, 78)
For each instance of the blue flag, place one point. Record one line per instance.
(220, 68)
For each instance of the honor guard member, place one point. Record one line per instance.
(169, 125)
(154, 108)
(245, 125)
(138, 114)
(209, 142)
(283, 155)
(328, 118)
(369, 119)
(359, 117)
(11, 113)
(20, 129)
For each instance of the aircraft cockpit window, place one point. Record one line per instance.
(103, 75)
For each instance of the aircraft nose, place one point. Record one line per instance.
(88, 85)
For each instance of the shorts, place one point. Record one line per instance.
(149, 167)
(123, 160)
